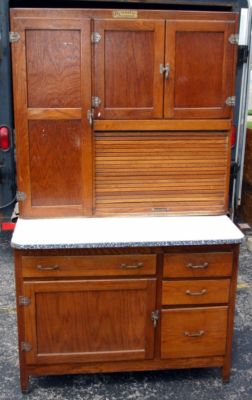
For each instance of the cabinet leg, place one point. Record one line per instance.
(225, 374)
(24, 382)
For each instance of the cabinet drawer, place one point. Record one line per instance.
(194, 332)
(183, 265)
(195, 292)
(72, 266)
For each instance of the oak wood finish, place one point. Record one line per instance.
(54, 152)
(202, 65)
(116, 310)
(163, 125)
(82, 321)
(127, 60)
(161, 173)
(198, 265)
(88, 266)
(194, 332)
(195, 292)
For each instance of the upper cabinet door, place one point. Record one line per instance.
(52, 93)
(127, 69)
(202, 62)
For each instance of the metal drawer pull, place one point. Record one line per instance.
(201, 266)
(49, 268)
(203, 291)
(194, 334)
(133, 266)
(165, 69)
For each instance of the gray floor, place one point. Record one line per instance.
(197, 384)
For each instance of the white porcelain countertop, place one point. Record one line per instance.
(124, 232)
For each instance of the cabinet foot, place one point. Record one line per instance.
(225, 375)
(24, 383)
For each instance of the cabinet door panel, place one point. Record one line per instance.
(127, 77)
(90, 320)
(201, 60)
(52, 92)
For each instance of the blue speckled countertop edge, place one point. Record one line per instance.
(124, 244)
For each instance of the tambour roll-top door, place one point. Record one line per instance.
(161, 173)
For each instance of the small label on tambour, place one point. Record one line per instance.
(125, 14)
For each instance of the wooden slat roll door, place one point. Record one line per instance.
(161, 173)
(52, 92)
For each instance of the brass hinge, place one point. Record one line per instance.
(24, 301)
(96, 101)
(230, 101)
(14, 37)
(95, 37)
(25, 346)
(155, 317)
(20, 196)
(234, 38)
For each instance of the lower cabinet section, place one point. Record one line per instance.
(194, 332)
(96, 320)
(104, 310)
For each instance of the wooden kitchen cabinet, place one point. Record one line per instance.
(142, 99)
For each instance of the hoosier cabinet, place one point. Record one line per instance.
(125, 116)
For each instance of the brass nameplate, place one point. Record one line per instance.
(125, 14)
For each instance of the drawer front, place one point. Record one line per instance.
(88, 266)
(183, 265)
(195, 292)
(193, 332)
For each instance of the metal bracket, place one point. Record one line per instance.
(155, 317)
(95, 37)
(243, 53)
(90, 116)
(20, 196)
(230, 101)
(96, 101)
(234, 38)
(24, 301)
(25, 346)
(14, 37)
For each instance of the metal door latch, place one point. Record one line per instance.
(165, 70)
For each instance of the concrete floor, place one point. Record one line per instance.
(196, 384)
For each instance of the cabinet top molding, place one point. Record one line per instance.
(124, 232)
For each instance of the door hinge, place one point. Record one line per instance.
(230, 101)
(90, 116)
(243, 53)
(235, 168)
(155, 317)
(96, 101)
(95, 37)
(20, 196)
(234, 38)
(14, 37)
(24, 301)
(25, 346)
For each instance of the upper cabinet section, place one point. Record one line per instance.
(127, 62)
(200, 59)
(180, 69)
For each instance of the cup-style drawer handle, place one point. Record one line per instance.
(48, 268)
(132, 266)
(200, 266)
(194, 334)
(200, 293)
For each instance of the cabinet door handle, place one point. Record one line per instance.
(49, 268)
(133, 266)
(165, 70)
(194, 334)
(200, 266)
(200, 293)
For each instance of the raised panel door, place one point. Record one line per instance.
(52, 93)
(127, 61)
(201, 61)
(84, 321)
